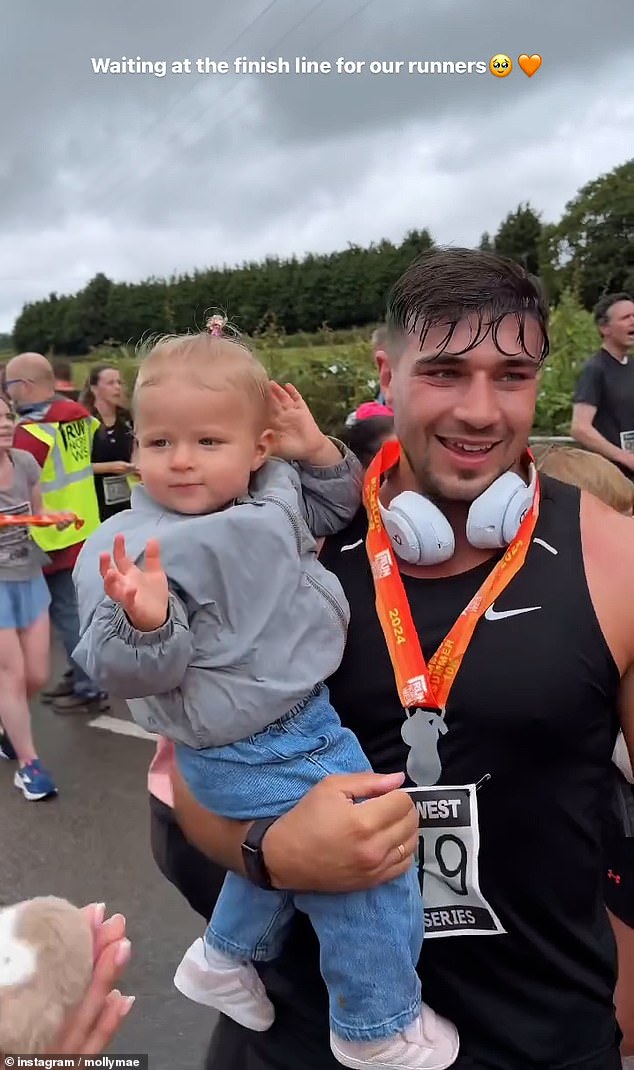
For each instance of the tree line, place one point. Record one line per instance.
(589, 252)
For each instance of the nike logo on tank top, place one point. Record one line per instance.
(532, 714)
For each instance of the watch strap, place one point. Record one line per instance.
(252, 854)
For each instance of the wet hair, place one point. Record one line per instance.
(445, 286)
(365, 437)
(210, 358)
(588, 471)
(602, 308)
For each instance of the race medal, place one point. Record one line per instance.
(449, 831)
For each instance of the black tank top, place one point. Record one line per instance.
(533, 706)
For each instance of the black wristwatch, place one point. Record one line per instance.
(252, 855)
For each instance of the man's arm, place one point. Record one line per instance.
(626, 710)
(582, 430)
(325, 843)
(37, 503)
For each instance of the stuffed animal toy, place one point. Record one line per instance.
(46, 962)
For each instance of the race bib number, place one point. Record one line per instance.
(116, 490)
(627, 441)
(15, 542)
(448, 849)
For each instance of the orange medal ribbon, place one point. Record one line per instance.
(419, 684)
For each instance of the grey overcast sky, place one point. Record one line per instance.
(136, 174)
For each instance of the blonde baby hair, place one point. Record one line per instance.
(589, 472)
(211, 358)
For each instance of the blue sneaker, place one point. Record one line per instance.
(34, 782)
(6, 748)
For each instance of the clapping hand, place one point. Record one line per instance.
(143, 593)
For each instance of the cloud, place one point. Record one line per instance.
(135, 174)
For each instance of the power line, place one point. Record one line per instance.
(125, 180)
(195, 120)
(191, 88)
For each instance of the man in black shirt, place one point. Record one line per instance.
(531, 716)
(603, 410)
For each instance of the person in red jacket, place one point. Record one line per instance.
(30, 383)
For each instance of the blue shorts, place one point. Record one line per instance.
(22, 602)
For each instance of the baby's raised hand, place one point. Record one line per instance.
(297, 435)
(143, 593)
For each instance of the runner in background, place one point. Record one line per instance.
(378, 342)
(366, 436)
(603, 409)
(600, 477)
(113, 443)
(24, 624)
(59, 433)
(64, 384)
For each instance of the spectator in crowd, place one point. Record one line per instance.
(24, 622)
(113, 443)
(368, 410)
(365, 437)
(59, 434)
(64, 384)
(378, 341)
(603, 408)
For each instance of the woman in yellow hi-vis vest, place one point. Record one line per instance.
(59, 434)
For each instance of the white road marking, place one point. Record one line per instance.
(123, 728)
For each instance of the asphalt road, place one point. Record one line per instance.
(91, 844)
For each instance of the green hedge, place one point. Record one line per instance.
(335, 378)
(332, 380)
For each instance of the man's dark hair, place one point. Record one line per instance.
(603, 306)
(444, 286)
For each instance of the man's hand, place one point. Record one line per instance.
(143, 593)
(326, 843)
(90, 1028)
(297, 436)
(329, 843)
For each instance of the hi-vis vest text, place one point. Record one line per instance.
(67, 479)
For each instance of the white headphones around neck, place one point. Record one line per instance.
(421, 534)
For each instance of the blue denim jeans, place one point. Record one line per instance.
(65, 619)
(370, 941)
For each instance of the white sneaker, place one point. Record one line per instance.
(207, 976)
(429, 1043)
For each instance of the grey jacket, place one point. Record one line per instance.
(255, 622)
